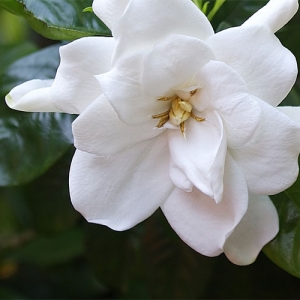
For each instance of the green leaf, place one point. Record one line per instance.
(31, 142)
(9, 54)
(284, 249)
(39, 65)
(48, 200)
(51, 250)
(58, 19)
(234, 13)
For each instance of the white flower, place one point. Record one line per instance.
(222, 145)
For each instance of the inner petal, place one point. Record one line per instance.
(172, 64)
(201, 155)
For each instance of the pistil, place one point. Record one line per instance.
(178, 113)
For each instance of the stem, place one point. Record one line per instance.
(198, 3)
(216, 7)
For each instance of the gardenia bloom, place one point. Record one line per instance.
(173, 115)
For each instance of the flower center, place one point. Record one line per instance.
(178, 113)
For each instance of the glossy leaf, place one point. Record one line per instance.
(51, 250)
(284, 249)
(48, 201)
(58, 19)
(234, 13)
(10, 53)
(31, 142)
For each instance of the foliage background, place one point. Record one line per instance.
(47, 250)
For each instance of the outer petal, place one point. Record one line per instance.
(158, 19)
(32, 96)
(98, 130)
(267, 67)
(173, 63)
(122, 190)
(269, 160)
(257, 228)
(199, 221)
(109, 11)
(224, 90)
(274, 15)
(201, 155)
(75, 86)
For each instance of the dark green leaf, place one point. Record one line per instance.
(48, 200)
(58, 19)
(39, 65)
(284, 249)
(31, 142)
(51, 250)
(236, 12)
(9, 54)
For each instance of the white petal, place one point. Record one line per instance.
(199, 221)
(224, 90)
(75, 86)
(293, 112)
(122, 190)
(256, 54)
(173, 63)
(179, 178)
(123, 89)
(156, 20)
(32, 96)
(201, 155)
(274, 15)
(241, 115)
(270, 159)
(99, 130)
(256, 229)
(216, 81)
(109, 11)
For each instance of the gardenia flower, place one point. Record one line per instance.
(173, 115)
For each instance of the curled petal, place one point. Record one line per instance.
(169, 16)
(122, 190)
(109, 11)
(274, 15)
(32, 96)
(179, 178)
(99, 130)
(75, 86)
(200, 222)
(258, 227)
(257, 55)
(216, 81)
(224, 90)
(240, 114)
(270, 158)
(201, 155)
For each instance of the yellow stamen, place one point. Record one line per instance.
(198, 119)
(178, 113)
(161, 115)
(182, 129)
(193, 92)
